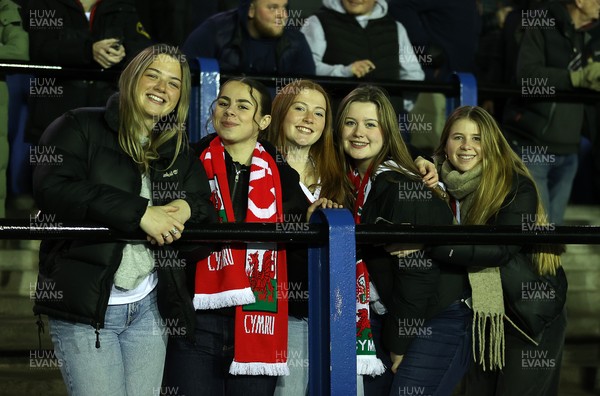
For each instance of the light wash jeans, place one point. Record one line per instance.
(554, 181)
(296, 384)
(131, 356)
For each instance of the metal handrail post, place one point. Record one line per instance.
(467, 92)
(332, 307)
(203, 96)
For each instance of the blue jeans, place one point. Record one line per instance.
(131, 356)
(554, 180)
(202, 367)
(433, 365)
(296, 383)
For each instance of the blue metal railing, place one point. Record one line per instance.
(332, 239)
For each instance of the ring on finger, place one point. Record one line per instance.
(174, 231)
(165, 236)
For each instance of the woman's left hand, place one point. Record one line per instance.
(396, 360)
(428, 171)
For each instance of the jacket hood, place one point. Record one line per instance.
(379, 11)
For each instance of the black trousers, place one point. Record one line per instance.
(528, 371)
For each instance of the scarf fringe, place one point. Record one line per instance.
(369, 365)
(495, 342)
(271, 369)
(227, 298)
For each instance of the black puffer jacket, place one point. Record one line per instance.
(413, 289)
(519, 208)
(92, 180)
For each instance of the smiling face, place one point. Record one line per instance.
(237, 117)
(463, 146)
(159, 88)
(362, 137)
(305, 119)
(358, 7)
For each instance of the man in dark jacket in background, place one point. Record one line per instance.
(252, 39)
(81, 34)
(555, 54)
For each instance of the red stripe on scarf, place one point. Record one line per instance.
(367, 362)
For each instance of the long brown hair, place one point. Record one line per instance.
(393, 147)
(323, 150)
(499, 165)
(131, 118)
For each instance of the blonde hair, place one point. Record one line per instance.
(499, 164)
(131, 117)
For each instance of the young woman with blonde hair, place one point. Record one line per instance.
(489, 184)
(126, 166)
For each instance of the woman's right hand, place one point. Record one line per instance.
(323, 203)
(160, 226)
(105, 54)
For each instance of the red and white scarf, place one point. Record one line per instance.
(248, 276)
(367, 362)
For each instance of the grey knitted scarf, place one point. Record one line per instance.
(486, 285)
